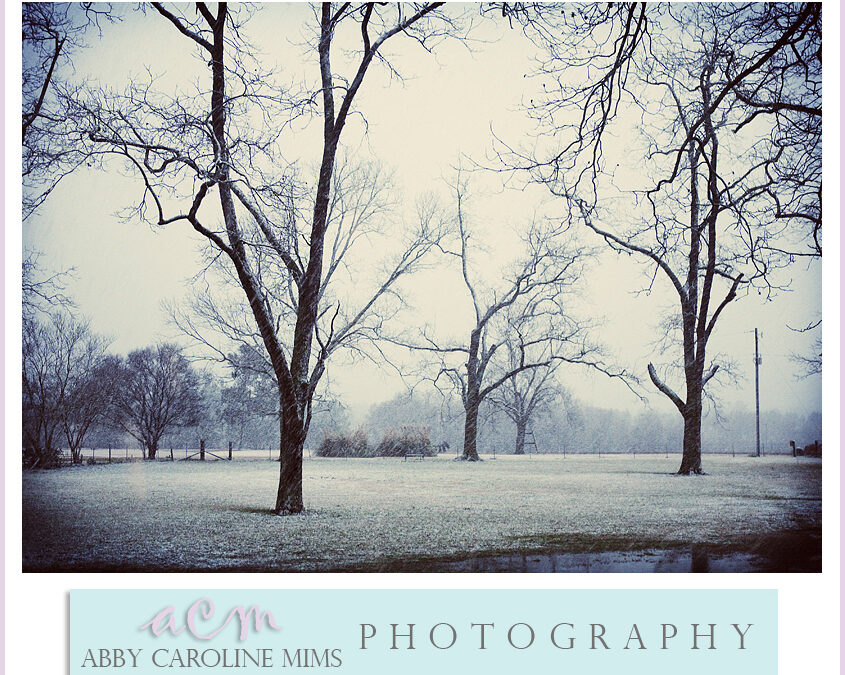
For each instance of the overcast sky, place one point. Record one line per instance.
(446, 107)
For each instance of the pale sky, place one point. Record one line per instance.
(447, 106)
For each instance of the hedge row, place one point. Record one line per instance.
(396, 442)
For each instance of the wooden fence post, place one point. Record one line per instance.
(230, 450)
(202, 449)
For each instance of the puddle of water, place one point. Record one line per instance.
(696, 559)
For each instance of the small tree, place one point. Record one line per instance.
(525, 395)
(208, 421)
(88, 394)
(64, 386)
(526, 316)
(159, 391)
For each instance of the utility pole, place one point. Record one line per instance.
(757, 386)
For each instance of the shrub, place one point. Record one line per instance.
(345, 445)
(409, 438)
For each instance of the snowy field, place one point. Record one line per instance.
(394, 515)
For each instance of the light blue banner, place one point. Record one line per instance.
(358, 632)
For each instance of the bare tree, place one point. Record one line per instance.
(187, 147)
(51, 33)
(64, 391)
(725, 94)
(526, 316)
(41, 398)
(159, 392)
(526, 395)
(207, 423)
(66, 374)
(42, 293)
(359, 291)
(88, 394)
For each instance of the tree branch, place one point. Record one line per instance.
(679, 404)
(266, 229)
(196, 37)
(609, 237)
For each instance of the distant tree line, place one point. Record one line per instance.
(594, 430)
(569, 426)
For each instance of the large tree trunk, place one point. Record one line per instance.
(289, 496)
(294, 422)
(152, 449)
(472, 399)
(691, 459)
(291, 443)
(519, 448)
(471, 428)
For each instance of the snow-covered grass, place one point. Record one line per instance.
(387, 513)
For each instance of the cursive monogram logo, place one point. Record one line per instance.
(203, 609)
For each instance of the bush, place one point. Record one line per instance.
(345, 445)
(409, 438)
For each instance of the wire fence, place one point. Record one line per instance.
(114, 455)
(117, 455)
